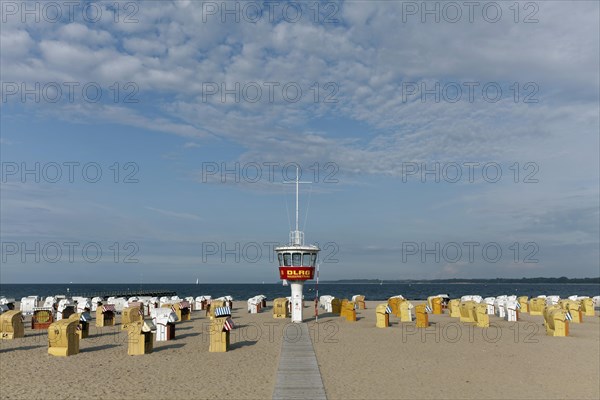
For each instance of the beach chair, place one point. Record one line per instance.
(84, 304)
(8, 302)
(64, 309)
(421, 316)
(214, 304)
(105, 315)
(191, 302)
(394, 303)
(454, 308)
(281, 308)
(524, 303)
(140, 337)
(552, 300)
(555, 320)
(359, 300)
(430, 301)
(500, 306)
(587, 306)
(254, 305)
(164, 318)
(199, 303)
(436, 305)
(574, 308)
(49, 302)
(263, 300)
(348, 310)
(131, 314)
(83, 328)
(220, 327)
(512, 310)
(537, 305)
(42, 318)
(28, 304)
(63, 339)
(482, 318)
(336, 306)
(472, 297)
(467, 311)
(491, 308)
(95, 302)
(11, 325)
(183, 310)
(405, 308)
(325, 302)
(382, 314)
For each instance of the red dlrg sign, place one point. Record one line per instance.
(296, 273)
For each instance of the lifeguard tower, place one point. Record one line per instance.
(297, 263)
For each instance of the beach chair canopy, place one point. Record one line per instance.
(63, 304)
(163, 315)
(148, 326)
(6, 300)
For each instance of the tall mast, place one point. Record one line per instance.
(296, 236)
(297, 182)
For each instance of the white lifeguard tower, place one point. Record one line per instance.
(297, 263)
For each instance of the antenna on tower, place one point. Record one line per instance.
(297, 236)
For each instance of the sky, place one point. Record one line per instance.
(150, 141)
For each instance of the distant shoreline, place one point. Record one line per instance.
(561, 280)
(512, 281)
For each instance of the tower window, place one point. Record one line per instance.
(306, 259)
(296, 259)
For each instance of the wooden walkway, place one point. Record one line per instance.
(298, 375)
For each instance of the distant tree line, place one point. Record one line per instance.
(562, 279)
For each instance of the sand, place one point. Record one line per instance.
(357, 361)
(450, 360)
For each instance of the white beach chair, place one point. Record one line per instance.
(28, 304)
(62, 305)
(95, 301)
(83, 303)
(119, 302)
(198, 302)
(489, 301)
(552, 300)
(49, 302)
(511, 310)
(253, 305)
(190, 299)
(500, 306)
(161, 317)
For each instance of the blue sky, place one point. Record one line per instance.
(366, 128)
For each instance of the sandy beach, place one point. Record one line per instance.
(449, 360)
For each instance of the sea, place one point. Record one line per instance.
(242, 292)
